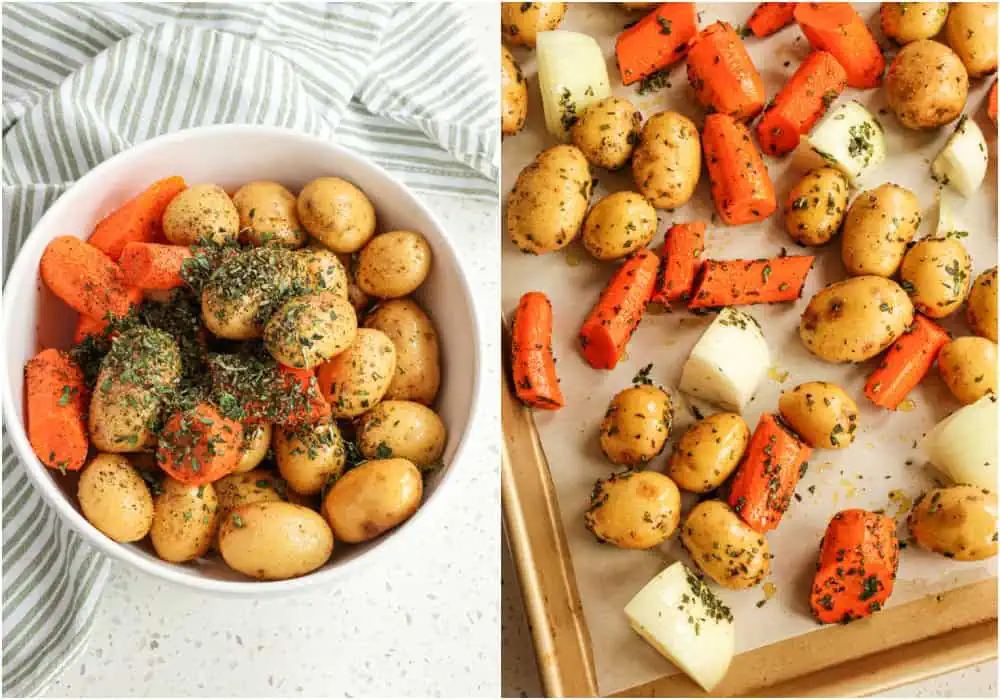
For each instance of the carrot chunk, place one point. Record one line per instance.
(992, 107)
(682, 250)
(741, 185)
(742, 282)
(56, 409)
(835, 27)
(199, 445)
(87, 326)
(84, 277)
(138, 220)
(153, 265)
(656, 41)
(906, 363)
(769, 17)
(724, 78)
(534, 367)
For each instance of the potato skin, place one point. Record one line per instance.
(904, 22)
(547, 204)
(185, 519)
(959, 522)
(607, 132)
(394, 264)
(254, 486)
(968, 365)
(201, 212)
(418, 355)
(520, 22)
(636, 425)
(981, 312)
(253, 447)
(816, 206)
(311, 329)
(356, 380)
(268, 215)
(310, 455)
(402, 429)
(666, 164)
(336, 213)
(728, 550)
(373, 498)
(325, 270)
(272, 540)
(936, 273)
(115, 499)
(619, 224)
(971, 32)
(634, 509)
(823, 414)
(879, 224)
(855, 319)
(708, 452)
(926, 85)
(513, 94)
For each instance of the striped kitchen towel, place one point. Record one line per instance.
(398, 83)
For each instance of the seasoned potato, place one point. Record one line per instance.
(402, 429)
(879, 224)
(981, 312)
(520, 22)
(634, 509)
(904, 22)
(308, 330)
(325, 269)
(607, 132)
(253, 448)
(959, 522)
(115, 499)
(309, 456)
(126, 399)
(971, 32)
(855, 319)
(823, 414)
(708, 452)
(418, 357)
(393, 264)
(619, 224)
(666, 164)
(373, 498)
(201, 212)
(936, 273)
(357, 379)
(636, 425)
(185, 519)
(926, 85)
(254, 486)
(968, 365)
(513, 94)
(271, 540)
(336, 213)
(728, 550)
(546, 206)
(816, 206)
(268, 215)
(355, 294)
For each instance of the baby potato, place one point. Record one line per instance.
(268, 215)
(728, 550)
(513, 94)
(255, 486)
(981, 312)
(968, 365)
(619, 224)
(393, 264)
(325, 269)
(936, 273)
(336, 213)
(636, 425)
(708, 452)
(520, 22)
(418, 357)
(357, 379)
(666, 164)
(308, 330)
(971, 32)
(959, 522)
(115, 499)
(926, 85)
(201, 212)
(253, 448)
(373, 498)
(855, 319)
(185, 519)
(816, 206)
(607, 132)
(359, 300)
(634, 509)
(879, 224)
(272, 540)
(904, 22)
(823, 414)
(402, 429)
(309, 456)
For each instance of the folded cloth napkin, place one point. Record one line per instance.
(398, 83)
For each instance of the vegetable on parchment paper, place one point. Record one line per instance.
(741, 186)
(961, 164)
(770, 17)
(722, 74)
(741, 282)
(571, 76)
(534, 366)
(905, 363)
(991, 106)
(964, 445)
(658, 40)
(849, 138)
(835, 27)
(56, 407)
(681, 259)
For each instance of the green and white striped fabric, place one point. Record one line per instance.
(398, 83)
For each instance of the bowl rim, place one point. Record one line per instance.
(178, 574)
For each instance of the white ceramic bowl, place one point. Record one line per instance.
(231, 155)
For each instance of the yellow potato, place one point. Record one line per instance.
(926, 85)
(936, 273)
(823, 414)
(185, 520)
(253, 448)
(636, 425)
(274, 540)
(520, 22)
(607, 132)
(634, 509)
(968, 365)
(201, 212)
(904, 22)
(373, 498)
(402, 429)
(355, 294)
(325, 269)
(666, 164)
(254, 486)
(981, 312)
(971, 31)
(619, 224)
(816, 206)
(308, 330)
(357, 379)
(708, 452)
(959, 522)
(268, 215)
(336, 213)
(879, 224)
(393, 264)
(309, 456)
(418, 357)
(115, 499)
(728, 550)
(513, 94)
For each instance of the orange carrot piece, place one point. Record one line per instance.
(611, 322)
(741, 185)
(153, 265)
(84, 277)
(835, 27)
(905, 363)
(764, 483)
(682, 250)
(56, 409)
(769, 17)
(992, 108)
(87, 326)
(724, 78)
(136, 221)
(199, 445)
(743, 282)
(656, 41)
(534, 366)
(817, 82)
(858, 559)
(310, 404)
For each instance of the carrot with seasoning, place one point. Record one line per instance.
(56, 409)
(769, 17)
(681, 259)
(611, 322)
(655, 42)
(138, 220)
(154, 265)
(87, 326)
(816, 83)
(724, 78)
(906, 362)
(741, 185)
(199, 445)
(86, 279)
(534, 366)
(835, 27)
(858, 559)
(742, 282)
(992, 106)
(764, 483)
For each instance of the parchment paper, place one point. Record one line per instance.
(884, 457)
